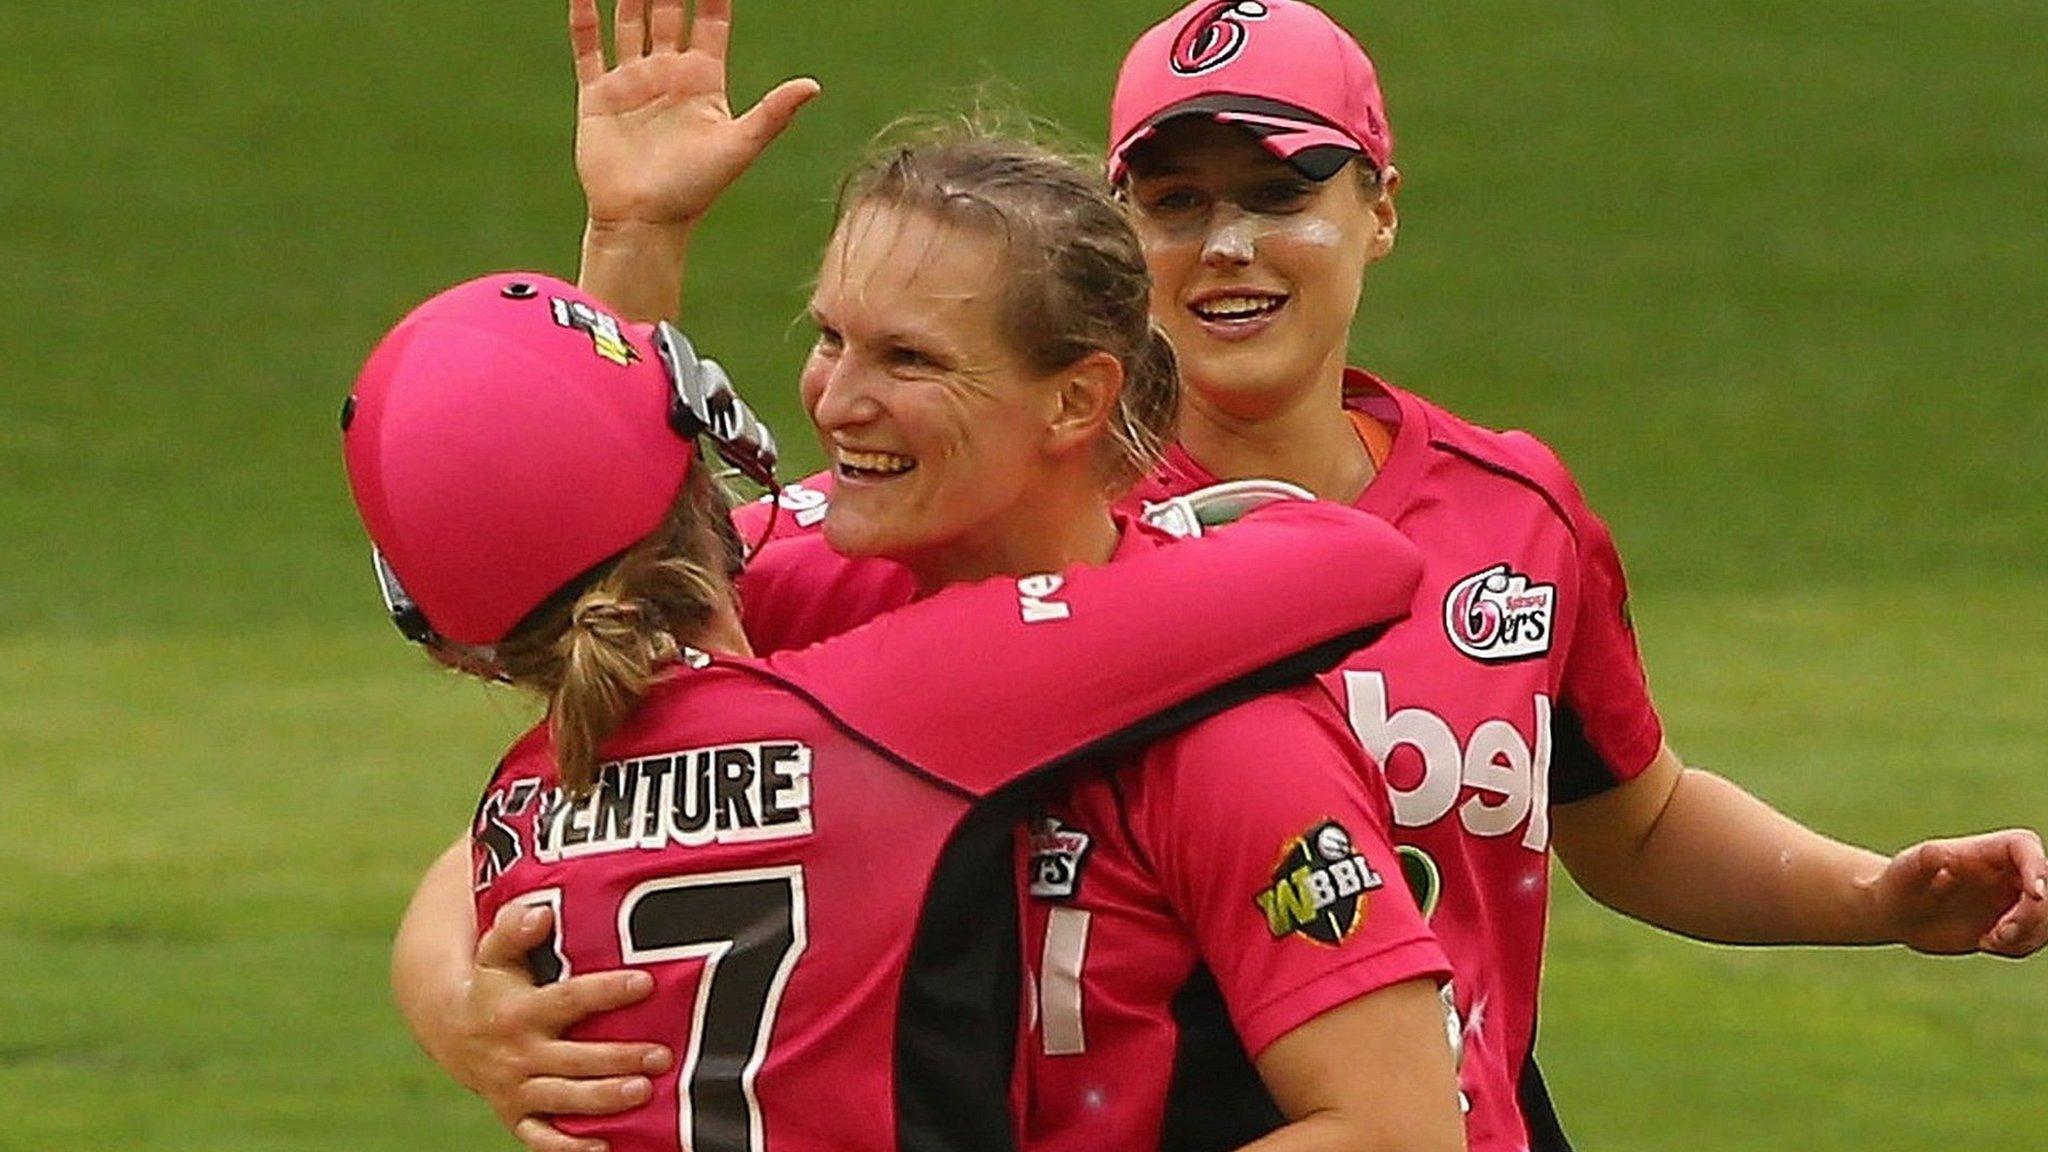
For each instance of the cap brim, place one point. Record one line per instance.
(1315, 147)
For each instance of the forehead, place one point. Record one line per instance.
(1198, 146)
(896, 265)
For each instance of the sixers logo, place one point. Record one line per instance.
(1496, 614)
(1057, 853)
(1215, 36)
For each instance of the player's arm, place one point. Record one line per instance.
(1693, 853)
(657, 142)
(1252, 820)
(1391, 1043)
(475, 1011)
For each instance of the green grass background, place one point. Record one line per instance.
(1768, 274)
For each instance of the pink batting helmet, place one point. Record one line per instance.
(508, 436)
(1280, 69)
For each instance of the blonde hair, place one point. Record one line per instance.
(1075, 281)
(596, 648)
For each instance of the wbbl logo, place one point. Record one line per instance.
(1215, 36)
(1496, 614)
(1319, 886)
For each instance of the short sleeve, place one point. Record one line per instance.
(1275, 854)
(1607, 729)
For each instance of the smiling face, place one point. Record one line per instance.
(1256, 269)
(938, 434)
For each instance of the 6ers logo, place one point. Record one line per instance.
(1215, 36)
(1497, 614)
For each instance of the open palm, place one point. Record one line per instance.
(656, 138)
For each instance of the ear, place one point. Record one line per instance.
(1386, 221)
(1084, 400)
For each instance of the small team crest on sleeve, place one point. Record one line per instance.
(1319, 887)
(1496, 614)
(606, 335)
(1057, 853)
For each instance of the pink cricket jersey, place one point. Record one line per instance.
(1231, 883)
(815, 854)
(1514, 684)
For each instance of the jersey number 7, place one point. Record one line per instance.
(748, 928)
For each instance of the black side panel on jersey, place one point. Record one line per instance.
(1216, 1100)
(1576, 768)
(956, 1022)
(1546, 1134)
(957, 1013)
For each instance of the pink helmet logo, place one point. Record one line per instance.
(1215, 36)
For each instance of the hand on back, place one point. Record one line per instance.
(511, 1049)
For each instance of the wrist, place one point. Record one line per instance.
(639, 237)
(1874, 914)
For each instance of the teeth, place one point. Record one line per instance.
(1237, 307)
(886, 463)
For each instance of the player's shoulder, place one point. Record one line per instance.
(532, 754)
(1256, 734)
(1514, 455)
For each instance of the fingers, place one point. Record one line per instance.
(586, 40)
(665, 26)
(711, 33)
(591, 1060)
(2031, 862)
(569, 1001)
(2021, 932)
(2023, 929)
(629, 30)
(518, 929)
(767, 119)
(557, 1096)
(541, 1136)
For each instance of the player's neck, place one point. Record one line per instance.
(1046, 531)
(1306, 439)
(721, 633)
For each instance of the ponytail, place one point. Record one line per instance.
(595, 655)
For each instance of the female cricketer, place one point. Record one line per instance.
(1251, 144)
(815, 866)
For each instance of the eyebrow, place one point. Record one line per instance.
(934, 341)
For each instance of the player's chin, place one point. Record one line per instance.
(859, 525)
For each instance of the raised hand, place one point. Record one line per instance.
(1975, 893)
(656, 138)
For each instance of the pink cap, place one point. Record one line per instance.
(1280, 69)
(505, 438)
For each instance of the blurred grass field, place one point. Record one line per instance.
(1767, 274)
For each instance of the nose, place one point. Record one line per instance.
(837, 394)
(1232, 238)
